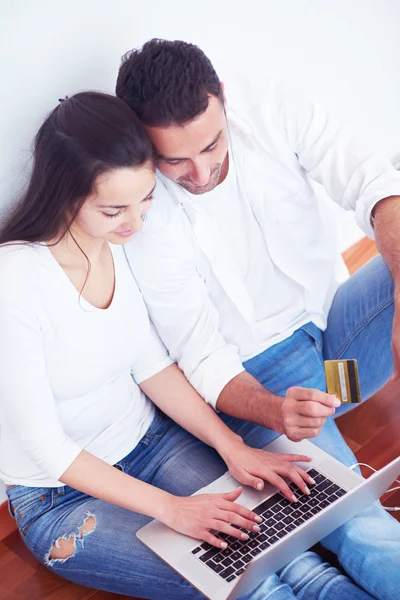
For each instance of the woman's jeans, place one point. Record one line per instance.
(107, 555)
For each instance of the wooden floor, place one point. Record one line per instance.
(371, 430)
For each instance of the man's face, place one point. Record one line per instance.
(194, 155)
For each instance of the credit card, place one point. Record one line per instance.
(342, 380)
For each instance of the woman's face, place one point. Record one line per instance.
(115, 209)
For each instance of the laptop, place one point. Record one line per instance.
(287, 530)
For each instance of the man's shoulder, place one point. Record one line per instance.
(243, 93)
(165, 211)
(251, 100)
(164, 204)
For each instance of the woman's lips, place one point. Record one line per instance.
(125, 233)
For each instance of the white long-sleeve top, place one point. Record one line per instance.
(69, 372)
(284, 148)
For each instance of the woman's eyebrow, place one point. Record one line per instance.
(125, 205)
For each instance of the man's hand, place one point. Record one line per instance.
(304, 412)
(301, 414)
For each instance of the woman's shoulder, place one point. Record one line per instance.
(20, 255)
(20, 265)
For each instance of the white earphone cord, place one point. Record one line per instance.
(388, 508)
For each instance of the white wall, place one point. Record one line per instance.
(345, 52)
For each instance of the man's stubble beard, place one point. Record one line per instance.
(197, 191)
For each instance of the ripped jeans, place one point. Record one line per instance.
(104, 550)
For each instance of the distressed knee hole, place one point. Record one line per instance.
(63, 548)
(88, 526)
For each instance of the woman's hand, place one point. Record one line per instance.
(252, 467)
(197, 516)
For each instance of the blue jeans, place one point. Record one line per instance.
(110, 557)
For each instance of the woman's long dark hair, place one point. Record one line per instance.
(84, 136)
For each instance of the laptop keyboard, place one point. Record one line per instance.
(280, 517)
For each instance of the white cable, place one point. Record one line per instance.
(388, 508)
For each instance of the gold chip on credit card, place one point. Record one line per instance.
(342, 380)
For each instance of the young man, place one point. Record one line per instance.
(239, 265)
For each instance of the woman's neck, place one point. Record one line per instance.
(75, 246)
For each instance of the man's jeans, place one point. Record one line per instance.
(359, 326)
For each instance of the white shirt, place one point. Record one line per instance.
(66, 368)
(287, 151)
(278, 300)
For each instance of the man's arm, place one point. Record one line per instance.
(386, 216)
(244, 397)
(300, 414)
(354, 173)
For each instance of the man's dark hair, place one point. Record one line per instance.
(167, 82)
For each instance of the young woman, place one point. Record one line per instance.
(88, 452)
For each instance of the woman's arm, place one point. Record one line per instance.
(174, 395)
(94, 477)
(195, 516)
